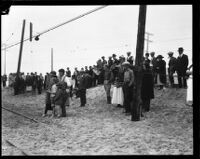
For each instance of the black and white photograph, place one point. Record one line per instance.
(90, 80)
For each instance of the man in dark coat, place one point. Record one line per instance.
(171, 68)
(161, 71)
(115, 60)
(153, 65)
(147, 58)
(129, 58)
(82, 88)
(103, 60)
(68, 72)
(147, 90)
(182, 64)
(110, 61)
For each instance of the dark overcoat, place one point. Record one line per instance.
(182, 64)
(147, 90)
(161, 70)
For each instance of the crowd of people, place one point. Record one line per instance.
(119, 72)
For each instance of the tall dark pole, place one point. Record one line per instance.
(21, 48)
(51, 59)
(136, 107)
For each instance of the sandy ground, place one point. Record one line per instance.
(98, 128)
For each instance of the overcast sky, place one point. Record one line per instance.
(80, 43)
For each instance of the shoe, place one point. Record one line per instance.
(127, 114)
(82, 105)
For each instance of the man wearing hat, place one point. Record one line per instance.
(128, 87)
(182, 64)
(115, 60)
(68, 72)
(129, 58)
(161, 71)
(103, 60)
(147, 58)
(172, 68)
(110, 61)
(82, 86)
(63, 78)
(153, 65)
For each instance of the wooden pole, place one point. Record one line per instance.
(21, 48)
(136, 106)
(51, 59)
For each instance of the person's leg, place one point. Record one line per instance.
(147, 105)
(63, 110)
(81, 97)
(84, 97)
(179, 80)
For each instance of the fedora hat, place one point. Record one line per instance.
(180, 49)
(160, 56)
(170, 53)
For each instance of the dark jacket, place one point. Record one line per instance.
(110, 63)
(147, 90)
(82, 82)
(161, 70)
(154, 61)
(60, 97)
(182, 64)
(172, 64)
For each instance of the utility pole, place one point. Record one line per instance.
(21, 47)
(148, 41)
(51, 59)
(136, 104)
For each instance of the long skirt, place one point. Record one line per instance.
(189, 97)
(158, 80)
(118, 96)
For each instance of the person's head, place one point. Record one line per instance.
(35, 73)
(55, 80)
(152, 54)
(159, 57)
(61, 72)
(82, 69)
(103, 57)
(86, 68)
(90, 67)
(128, 53)
(180, 50)
(170, 54)
(68, 68)
(147, 55)
(27, 73)
(110, 57)
(114, 56)
(126, 65)
(75, 68)
(53, 73)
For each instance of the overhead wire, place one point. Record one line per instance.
(59, 25)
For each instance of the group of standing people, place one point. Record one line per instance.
(22, 83)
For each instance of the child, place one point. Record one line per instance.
(60, 98)
(52, 95)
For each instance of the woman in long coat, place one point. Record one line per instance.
(161, 71)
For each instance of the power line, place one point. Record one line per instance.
(71, 20)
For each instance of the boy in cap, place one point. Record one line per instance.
(182, 64)
(171, 68)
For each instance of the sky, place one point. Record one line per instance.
(81, 43)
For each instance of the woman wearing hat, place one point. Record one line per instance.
(161, 71)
